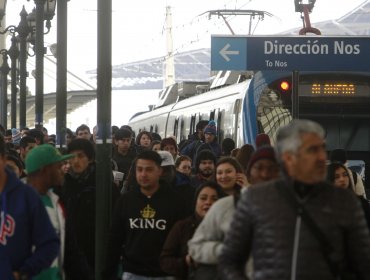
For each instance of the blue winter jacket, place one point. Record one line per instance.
(28, 242)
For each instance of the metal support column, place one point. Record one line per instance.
(13, 54)
(61, 106)
(4, 70)
(23, 30)
(104, 140)
(39, 50)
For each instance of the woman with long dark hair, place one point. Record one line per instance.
(174, 258)
(338, 174)
(206, 244)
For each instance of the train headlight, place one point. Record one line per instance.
(284, 85)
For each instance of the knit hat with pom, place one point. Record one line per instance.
(210, 128)
(16, 136)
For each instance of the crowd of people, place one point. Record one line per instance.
(198, 209)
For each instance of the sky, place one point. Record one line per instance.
(138, 33)
(138, 26)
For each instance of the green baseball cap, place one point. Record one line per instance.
(43, 155)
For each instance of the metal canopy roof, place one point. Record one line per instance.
(75, 99)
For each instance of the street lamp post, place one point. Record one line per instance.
(13, 54)
(61, 55)
(39, 51)
(23, 30)
(4, 70)
(2, 9)
(45, 10)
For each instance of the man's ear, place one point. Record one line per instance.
(288, 160)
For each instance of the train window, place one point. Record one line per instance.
(151, 128)
(212, 115)
(176, 125)
(156, 129)
(192, 124)
(182, 131)
(220, 132)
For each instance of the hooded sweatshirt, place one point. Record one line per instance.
(140, 225)
(28, 242)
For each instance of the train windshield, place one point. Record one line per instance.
(340, 102)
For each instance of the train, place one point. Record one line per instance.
(244, 104)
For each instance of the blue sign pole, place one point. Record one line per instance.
(290, 53)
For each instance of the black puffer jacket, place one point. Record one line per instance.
(265, 226)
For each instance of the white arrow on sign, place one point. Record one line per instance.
(225, 52)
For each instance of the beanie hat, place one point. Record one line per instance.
(264, 152)
(43, 155)
(16, 136)
(210, 128)
(204, 155)
(338, 155)
(262, 139)
(167, 158)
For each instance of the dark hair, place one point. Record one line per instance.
(2, 130)
(122, 133)
(37, 134)
(181, 159)
(2, 145)
(228, 145)
(201, 125)
(83, 127)
(70, 133)
(332, 167)
(150, 155)
(154, 142)
(156, 136)
(84, 145)
(208, 184)
(138, 138)
(25, 140)
(238, 168)
(15, 159)
(244, 155)
(127, 127)
(232, 161)
(8, 132)
(168, 141)
(204, 155)
(114, 129)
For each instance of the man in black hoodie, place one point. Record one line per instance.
(141, 222)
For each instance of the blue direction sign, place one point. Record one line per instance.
(290, 53)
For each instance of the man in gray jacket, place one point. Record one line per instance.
(298, 227)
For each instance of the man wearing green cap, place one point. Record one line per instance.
(44, 171)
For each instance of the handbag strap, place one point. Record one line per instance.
(325, 245)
